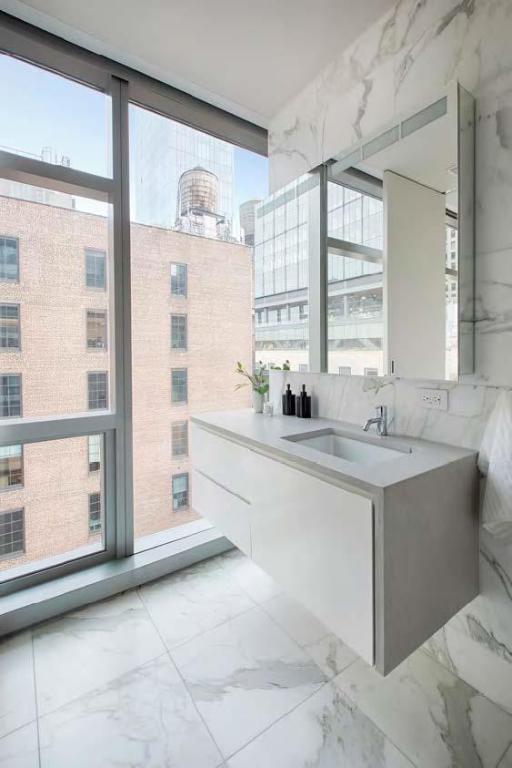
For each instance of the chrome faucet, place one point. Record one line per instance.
(381, 420)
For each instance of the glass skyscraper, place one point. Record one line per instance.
(161, 151)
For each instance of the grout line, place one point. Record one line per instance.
(35, 698)
(356, 704)
(101, 687)
(281, 717)
(201, 718)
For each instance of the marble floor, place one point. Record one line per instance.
(216, 667)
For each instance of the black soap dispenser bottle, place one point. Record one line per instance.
(303, 404)
(288, 402)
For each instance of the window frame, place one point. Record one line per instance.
(15, 486)
(123, 86)
(174, 425)
(93, 531)
(175, 402)
(177, 476)
(17, 553)
(104, 312)
(20, 414)
(18, 306)
(179, 295)
(6, 280)
(98, 469)
(182, 332)
(97, 373)
(96, 252)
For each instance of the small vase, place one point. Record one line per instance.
(257, 402)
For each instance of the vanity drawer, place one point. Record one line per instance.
(316, 540)
(227, 463)
(228, 512)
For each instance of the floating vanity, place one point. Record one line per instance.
(377, 536)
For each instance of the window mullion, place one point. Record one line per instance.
(122, 304)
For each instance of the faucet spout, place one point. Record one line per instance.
(380, 420)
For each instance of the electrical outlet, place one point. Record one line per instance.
(436, 399)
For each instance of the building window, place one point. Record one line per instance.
(97, 383)
(179, 332)
(11, 467)
(371, 372)
(12, 532)
(179, 385)
(180, 439)
(10, 395)
(179, 279)
(94, 512)
(96, 329)
(345, 370)
(9, 260)
(95, 452)
(9, 326)
(180, 492)
(95, 276)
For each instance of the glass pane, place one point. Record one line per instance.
(354, 217)
(54, 119)
(54, 303)
(281, 277)
(355, 285)
(193, 203)
(51, 504)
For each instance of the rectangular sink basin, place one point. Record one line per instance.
(348, 448)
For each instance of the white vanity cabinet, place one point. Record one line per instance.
(383, 554)
(314, 538)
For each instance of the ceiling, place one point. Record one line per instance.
(247, 57)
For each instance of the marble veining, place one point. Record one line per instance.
(269, 686)
(326, 731)
(479, 644)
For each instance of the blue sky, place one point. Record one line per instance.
(46, 110)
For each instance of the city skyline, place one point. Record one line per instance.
(80, 130)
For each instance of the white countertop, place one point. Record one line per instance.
(266, 434)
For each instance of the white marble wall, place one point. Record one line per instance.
(399, 64)
(477, 643)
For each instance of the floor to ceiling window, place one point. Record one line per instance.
(56, 299)
(193, 203)
(125, 305)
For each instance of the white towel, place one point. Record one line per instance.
(495, 461)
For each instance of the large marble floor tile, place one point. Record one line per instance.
(245, 674)
(435, 718)
(88, 648)
(145, 719)
(251, 578)
(331, 655)
(488, 672)
(17, 695)
(329, 652)
(20, 748)
(326, 731)
(189, 602)
(296, 620)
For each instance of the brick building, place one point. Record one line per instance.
(191, 317)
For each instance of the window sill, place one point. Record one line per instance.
(44, 601)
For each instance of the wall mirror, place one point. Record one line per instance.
(400, 247)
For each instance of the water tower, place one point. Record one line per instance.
(247, 213)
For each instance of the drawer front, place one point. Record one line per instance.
(316, 540)
(223, 461)
(227, 512)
